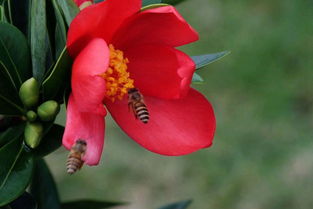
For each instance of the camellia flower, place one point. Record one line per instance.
(117, 47)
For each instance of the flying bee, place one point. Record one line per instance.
(138, 106)
(74, 159)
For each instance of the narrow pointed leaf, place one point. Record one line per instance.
(89, 204)
(203, 60)
(51, 141)
(69, 10)
(196, 78)
(2, 15)
(10, 103)
(51, 26)
(39, 38)
(8, 10)
(60, 30)
(148, 2)
(152, 6)
(20, 14)
(171, 2)
(14, 54)
(43, 187)
(15, 171)
(178, 205)
(56, 82)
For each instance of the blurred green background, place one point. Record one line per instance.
(262, 94)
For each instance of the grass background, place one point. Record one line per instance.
(262, 94)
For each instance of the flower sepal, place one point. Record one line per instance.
(152, 6)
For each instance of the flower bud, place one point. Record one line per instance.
(29, 92)
(48, 110)
(33, 134)
(31, 116)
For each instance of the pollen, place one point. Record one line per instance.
(117, 77)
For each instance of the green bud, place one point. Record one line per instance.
(33, 134)
(29, 92)
(31, 116)
(48, 110)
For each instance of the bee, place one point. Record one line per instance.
(74, 159)
(138, 106)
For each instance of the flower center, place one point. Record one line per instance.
(116, 77)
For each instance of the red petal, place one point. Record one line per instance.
(163, 25)
(99, 20)
(176, 127)
(160, 71)
(87, 86)
(86, 126)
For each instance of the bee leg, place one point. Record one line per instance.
(81, 165)
(135, 113)
(131, 107)
(129, 104)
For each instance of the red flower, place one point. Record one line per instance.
(118, 47)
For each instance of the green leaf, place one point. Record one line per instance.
(178, 205)
(89, 204)
(66, 95)
(69, 9)
(43, 187)
(39, 38)
(196, 78)
(56, 82)
(8, 10)
(25, 201)
(8, 121)
(20, 14)
(3, 18)
(14, 54)
(1, 14)
(15, 171)
(203, 60)
(60, 30)
(51, 141)
(149, 2)
(11, 134)
(51, 26)
(152, 6)
(172, 2)
(10, 103)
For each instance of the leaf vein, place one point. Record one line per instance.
(11, 168)
(15, 68)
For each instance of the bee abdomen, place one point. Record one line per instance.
(142, 112)
(74, 163)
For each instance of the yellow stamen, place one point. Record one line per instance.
(116, 77)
